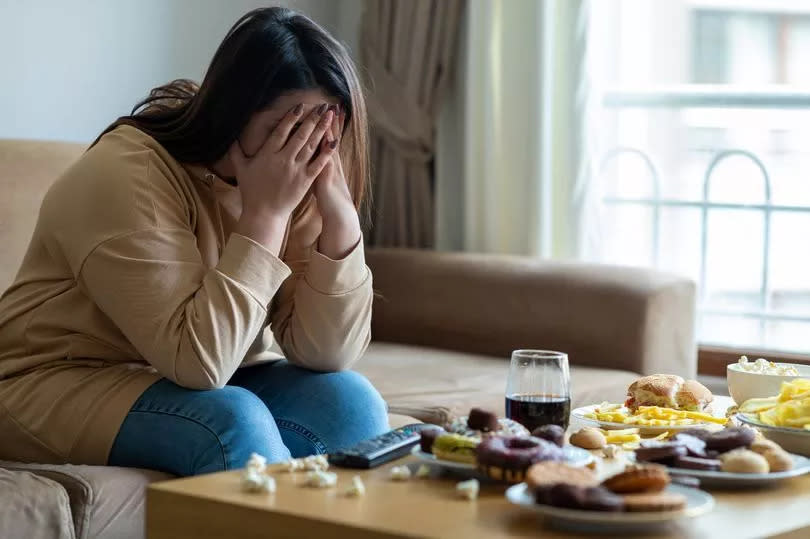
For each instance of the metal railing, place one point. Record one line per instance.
(705, 96)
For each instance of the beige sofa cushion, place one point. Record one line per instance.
(414, 377)
(33, 507)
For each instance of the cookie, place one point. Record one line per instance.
(779, 460)
(644, 478)
(553, 433)
(730, 438)
(661, 452)
(696, 463)
(743, 461)
(548, 473)
(659, 501)
(455, 447)
(588, 438)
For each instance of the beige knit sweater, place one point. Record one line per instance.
(132, 274)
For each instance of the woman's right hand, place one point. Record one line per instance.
(274, 181)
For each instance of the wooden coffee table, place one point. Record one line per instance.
(213, 506)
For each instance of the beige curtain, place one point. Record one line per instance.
(406, 48)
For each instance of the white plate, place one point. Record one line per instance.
(697, 503)
(573, 456)
(801, 466)
(580, 412)
(791, 440)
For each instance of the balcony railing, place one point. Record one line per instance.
(710, 97)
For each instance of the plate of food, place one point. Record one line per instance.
(784, 418)
(731, 457)
(484, 445)
(636, 498)
(656, 404)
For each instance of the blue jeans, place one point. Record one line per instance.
(276, 410)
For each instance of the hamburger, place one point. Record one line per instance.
(668, 391)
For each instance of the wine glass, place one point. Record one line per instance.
(538, 389)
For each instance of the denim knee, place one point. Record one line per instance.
(244, 426)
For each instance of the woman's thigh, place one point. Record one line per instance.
(316, 412)
(189, 432)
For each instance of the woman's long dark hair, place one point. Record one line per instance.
(268, 52)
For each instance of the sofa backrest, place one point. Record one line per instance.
(27, 169)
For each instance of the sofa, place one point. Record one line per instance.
(443, 328)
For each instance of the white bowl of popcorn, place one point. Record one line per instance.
(761, 378)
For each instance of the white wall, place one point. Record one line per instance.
(70, 67)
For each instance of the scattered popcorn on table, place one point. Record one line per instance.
(611, 451)
(468, 489)
(423, 471)
(293, 465)
(357, 487)
(256, 462)
(400, 473)
(315, 463)
(321, 479)
(256, 481)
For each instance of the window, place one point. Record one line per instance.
(704, 156)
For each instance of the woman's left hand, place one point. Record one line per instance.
(341, 224)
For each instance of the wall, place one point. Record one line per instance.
(70, 67)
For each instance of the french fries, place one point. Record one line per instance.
(652, 416)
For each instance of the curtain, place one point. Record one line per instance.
(407, 51)
(513, 153)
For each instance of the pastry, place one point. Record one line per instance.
(641, 478)
(696, 463)
(428, 436)
(730, 438)
(668, 391)
(658, 501)
(588, 438)
(744, 461)
(577, 497)
(483, 420)
(552, 433)
(507, 458)
(663, 452)
(695, 447)
(764, 445)
(779, 460)
(545, 474)
(455, 447)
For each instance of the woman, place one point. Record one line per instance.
(138, 331)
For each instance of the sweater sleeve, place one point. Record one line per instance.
(193, 324)
(322, 316)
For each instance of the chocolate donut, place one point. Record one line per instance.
(553, 433)
(507, 458)
(428, 436)
(696, 447)
(483, 420)
(583, 498)
(730, 438)
(695, 463)
(662, 452)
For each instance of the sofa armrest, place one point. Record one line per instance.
(602, 316)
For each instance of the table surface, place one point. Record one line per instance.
(214, 506)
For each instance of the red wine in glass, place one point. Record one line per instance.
(534, 410)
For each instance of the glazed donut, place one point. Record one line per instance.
(506, 458)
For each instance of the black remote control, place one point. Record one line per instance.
(384, 448)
